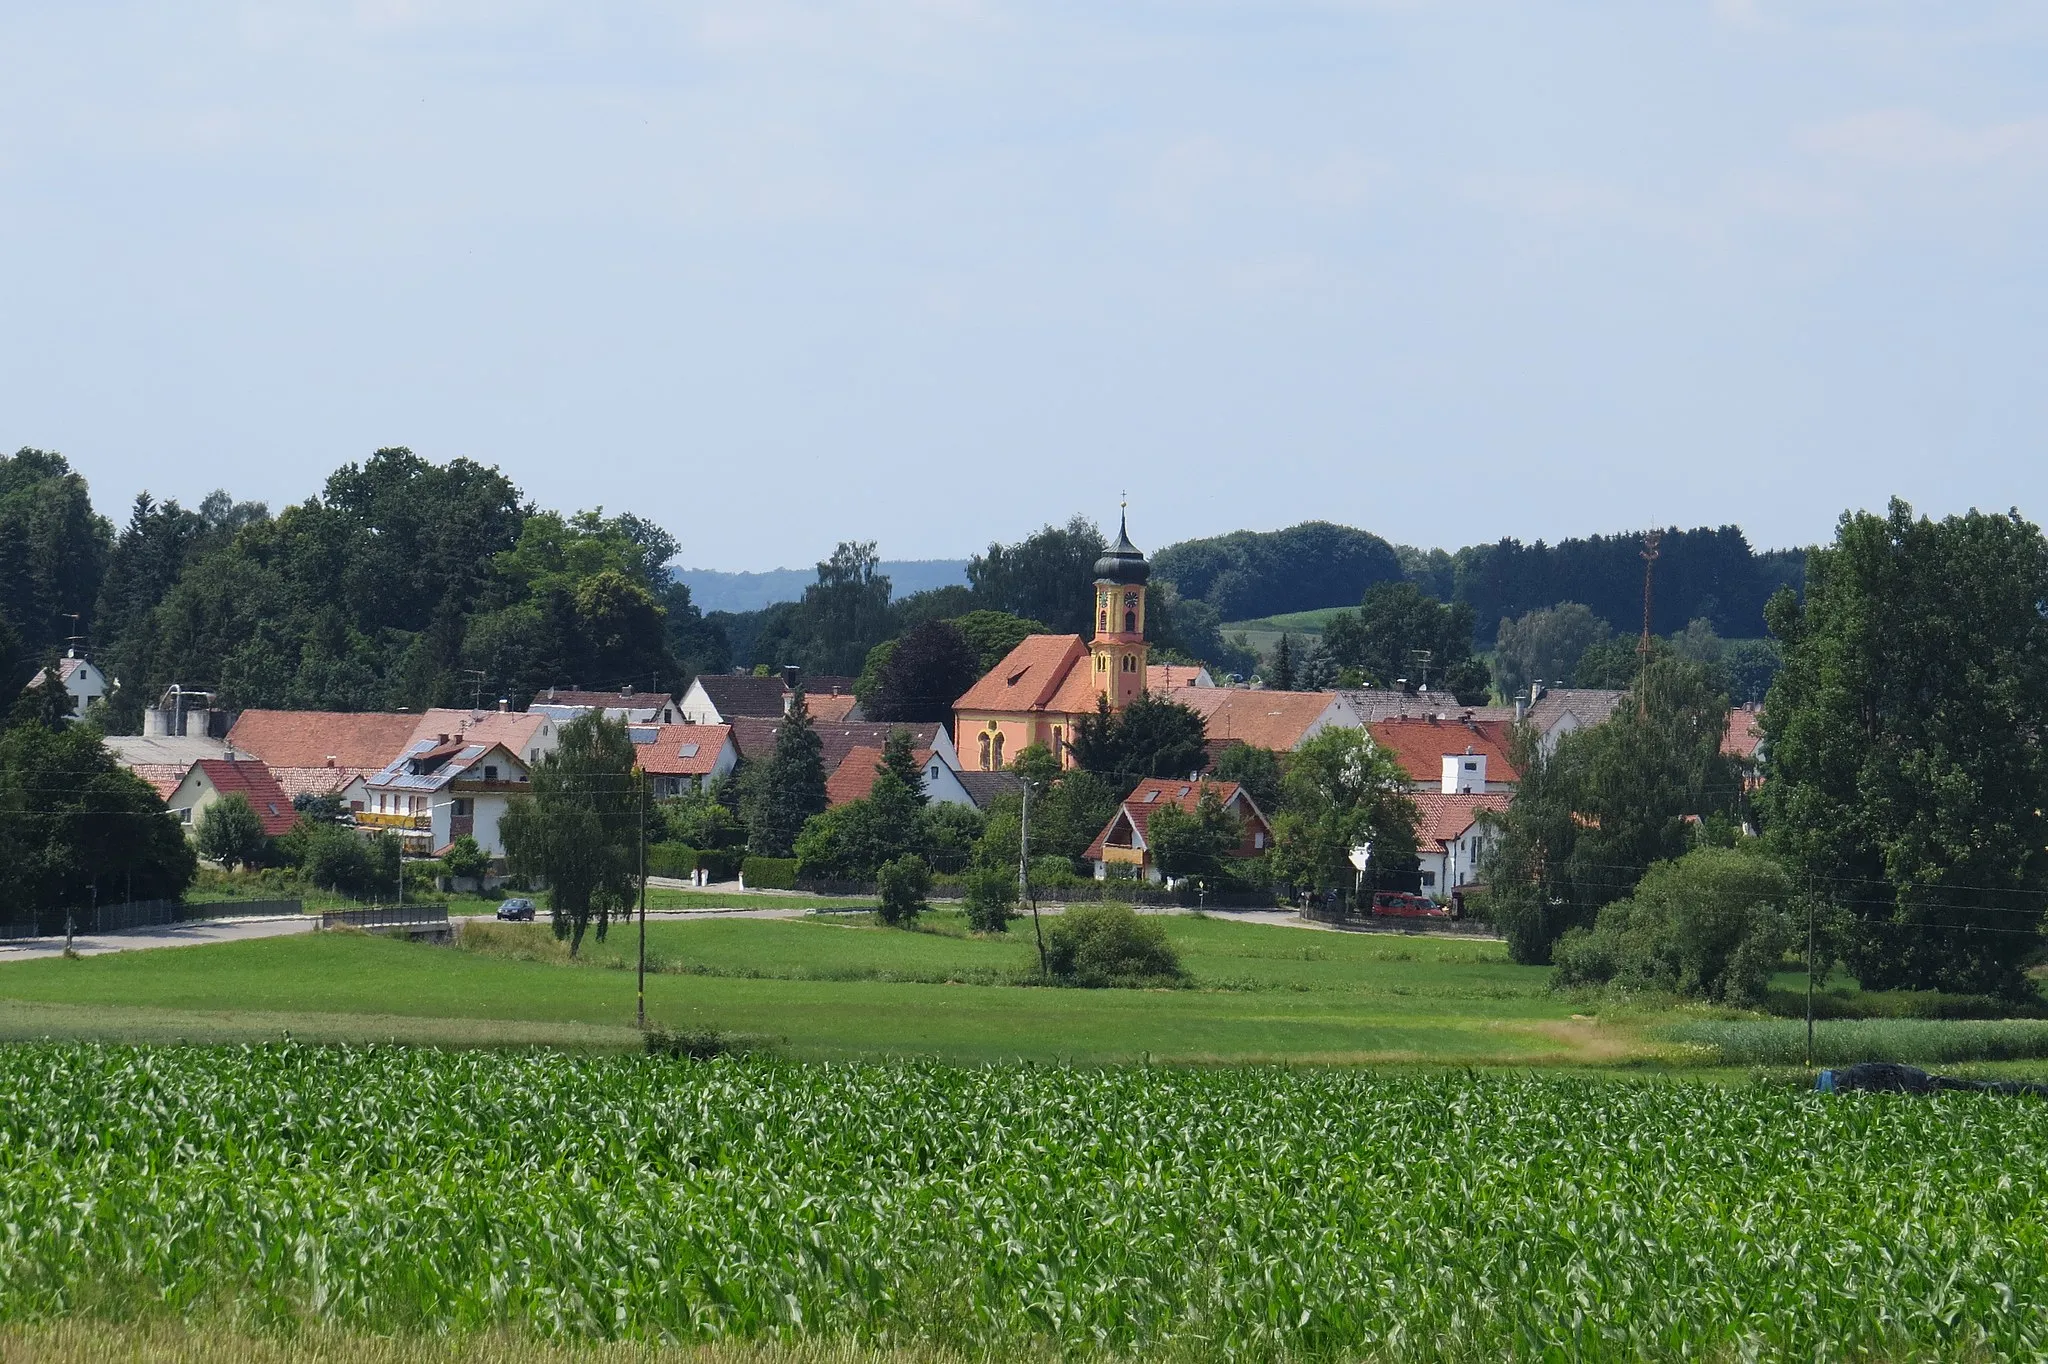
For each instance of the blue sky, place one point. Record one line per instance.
(936, 272)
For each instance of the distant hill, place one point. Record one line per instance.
(713, 589)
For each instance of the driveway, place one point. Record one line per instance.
(196, 934)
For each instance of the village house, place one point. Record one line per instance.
(208, 780)
(1451, 840)
(441, 788)
(83, 683)
(854, 777)
(1450, 757)
(720, 698)
(1121, 844)
(680, 759)
(563, 704)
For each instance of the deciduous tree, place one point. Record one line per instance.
(231, 833)
(1907, 774)
(580, 827)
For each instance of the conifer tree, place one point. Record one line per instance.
(1283, 666)
(793, 788)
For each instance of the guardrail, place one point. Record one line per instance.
(409, 918)
(129, 914)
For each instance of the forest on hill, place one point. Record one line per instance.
(403, 583)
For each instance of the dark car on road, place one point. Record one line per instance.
(516, 911)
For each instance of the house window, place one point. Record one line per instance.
(490, 771)
(1429, 878)
(1471, 767)
(1258, 840)
(464, 808)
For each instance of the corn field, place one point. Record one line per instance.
(1259, 1213)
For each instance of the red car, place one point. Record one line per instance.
(1399, 904)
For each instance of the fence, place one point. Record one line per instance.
(89, 919)
(412, 918)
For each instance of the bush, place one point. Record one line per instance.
(769, 873)
(231, 833)
(671, 859)
(991, 899)
(1709, 925)
(334, 859)
(721, 864)
(466, 858)
(903, 884)
(1107, 945)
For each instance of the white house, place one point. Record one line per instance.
(1450, 841)
(82, 682)
(438, 790)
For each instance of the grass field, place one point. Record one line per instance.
(1016, 1211)
(830, 988)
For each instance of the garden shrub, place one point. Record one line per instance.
(1102, 945)
(903, 884)
(991, 899)
(671, 859)
(769, 873)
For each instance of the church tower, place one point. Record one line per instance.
(1118, 648)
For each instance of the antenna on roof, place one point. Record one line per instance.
(476, 676)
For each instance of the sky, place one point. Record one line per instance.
(936, 272)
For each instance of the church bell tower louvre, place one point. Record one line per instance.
(1118, 648)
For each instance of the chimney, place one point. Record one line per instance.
(792, 676)
(504, 704)
(330, 760)
(1521, 706)
(441, 738)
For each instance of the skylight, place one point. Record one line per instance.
(687, 751)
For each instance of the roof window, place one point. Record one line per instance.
(1151, 796)
(687, 751)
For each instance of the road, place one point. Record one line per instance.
(197, 934)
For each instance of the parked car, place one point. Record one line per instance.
(1399, 904)
(516, 911)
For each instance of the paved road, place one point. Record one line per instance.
(168, 935)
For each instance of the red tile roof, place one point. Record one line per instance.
(253, 782)
(830, 709)
(1153, 793)
(1278, 720)
(162, 777)
(310, 738)
(603, 700)
(1420, 746)
(318, 781)
(1441, 818)
(1029, 676)
(684, 750)
(1165, 677)
(518, 731)
(1745, 732)
(854, 778)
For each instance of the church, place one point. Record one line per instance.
(1048, 684)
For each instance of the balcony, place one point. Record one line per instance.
(377, 819)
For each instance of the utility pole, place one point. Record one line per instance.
(1651, 539)
(1809, 974)
(641, 1007)
(1024, 875)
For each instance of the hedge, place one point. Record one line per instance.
(769, 873)
(671, 859)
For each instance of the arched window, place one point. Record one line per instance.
(1102, 620)
(998, 749)
(1130, 664)
(1130, 622)
(984, 752)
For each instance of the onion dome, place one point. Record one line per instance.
(1124, 563)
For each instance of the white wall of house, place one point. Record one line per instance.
(942, 783)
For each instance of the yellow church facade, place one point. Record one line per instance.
(1048, 684)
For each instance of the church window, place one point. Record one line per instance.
(984, 752)
(1130, 664)
(1130, 622)
(997, 749)
(1102, 620)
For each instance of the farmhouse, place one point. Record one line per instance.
(1450, 757)
(210, 779)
